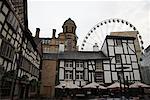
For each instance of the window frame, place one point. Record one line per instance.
(79, 65)
(118, 42)
(79, 75)
(68, 75)
(118, 58)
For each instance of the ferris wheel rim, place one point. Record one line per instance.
(118, 20)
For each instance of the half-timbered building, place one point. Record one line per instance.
(123, 59)
(19, 57)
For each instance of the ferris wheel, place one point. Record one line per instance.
(98, 33)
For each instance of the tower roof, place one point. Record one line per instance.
(69, 22)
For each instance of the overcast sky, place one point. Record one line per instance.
(48, 15)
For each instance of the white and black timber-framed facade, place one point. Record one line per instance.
(116, 58)
(123, 59)
(79, 67)
(19, 58)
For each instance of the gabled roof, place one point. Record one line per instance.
(76, 55)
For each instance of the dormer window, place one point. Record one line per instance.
(118, 42)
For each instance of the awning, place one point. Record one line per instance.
(116, 85)
(102, 87)
(139, 84)
(91, 85)
(68, 85)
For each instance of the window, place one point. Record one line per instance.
(66, 27)
(73, 29)
(79, 64)
(118, 42)
(98, 65)
(68, 64)
(79, 75)
(45, 50)
(99, 76)
(46, 41)
(118, 58)
(7, 50)
(68, 74)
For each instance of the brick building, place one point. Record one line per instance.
(66, 41)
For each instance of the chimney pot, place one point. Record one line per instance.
(37, 32)
(54, 32)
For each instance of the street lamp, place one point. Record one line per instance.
(119, 77)
(122, 77)
(97, 90)
(63, 85)
(127, 93)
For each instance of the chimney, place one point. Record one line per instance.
(37, 32)
(95, 47)
(54, 32)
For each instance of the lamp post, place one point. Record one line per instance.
(63, 89)
(127, 93)
(120, 85)
(97, 90)
(122, 77)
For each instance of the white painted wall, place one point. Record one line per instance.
(129, 67)
(110, 42)
(111, 51)
(104, 48)
(107, 77)
(114, 76)
(113, 67)
(106, 67)
(125, 48)
(131, 74)
(135, 65)
(61, 63)
(123, 59)
(118, 50)
(86, 74)
(127, 74)
(113, 60)
(128, 59)
(105, 61)
(61, 73)
(133, 57)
